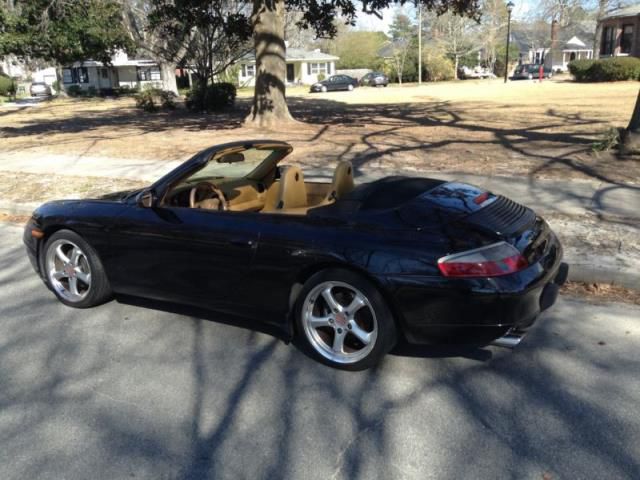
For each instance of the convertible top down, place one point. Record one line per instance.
(348, 269)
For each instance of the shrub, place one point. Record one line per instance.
(151, 99)
(91, 91)
(438, 68)
(7, 86)
(74, 90)
(321, 77)
(216, 96)
(606, 70)
(579, 69)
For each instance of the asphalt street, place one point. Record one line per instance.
(122, 391)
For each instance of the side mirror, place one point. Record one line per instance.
(146, 199)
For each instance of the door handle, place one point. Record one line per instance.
(237, 242)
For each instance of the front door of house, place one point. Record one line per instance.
(290, 72)
(104, 79)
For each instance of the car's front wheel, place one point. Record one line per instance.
(350, 87)
(323, 89)
(73, 270)
(343, 320)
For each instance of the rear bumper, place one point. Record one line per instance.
(476, 311)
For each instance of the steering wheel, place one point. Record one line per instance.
(204, 190)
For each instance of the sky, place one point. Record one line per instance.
(373, 23)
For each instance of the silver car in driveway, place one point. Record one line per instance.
(40, 89)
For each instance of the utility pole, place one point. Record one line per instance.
(420, 43)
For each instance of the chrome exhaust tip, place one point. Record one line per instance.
(511, 339)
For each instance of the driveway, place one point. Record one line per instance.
(122, 391)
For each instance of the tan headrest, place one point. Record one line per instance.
(342, 182)
(293, 192)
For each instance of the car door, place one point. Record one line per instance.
(194, 256)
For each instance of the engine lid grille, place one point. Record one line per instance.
(503, 216)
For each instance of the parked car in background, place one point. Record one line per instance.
(40, 89)
(375, 79)
(335, 82)
(476, 72)
(531, 71)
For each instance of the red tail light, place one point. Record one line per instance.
(490, 261)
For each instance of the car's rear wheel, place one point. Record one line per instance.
(343, 320)
(350, 87)
(73, 270)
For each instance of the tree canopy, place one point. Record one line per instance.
(63, 31)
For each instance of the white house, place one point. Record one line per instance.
(44, 75)
(303, 67)
(123, 72)
(574, 49)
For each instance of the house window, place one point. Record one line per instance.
(104, 73)
(83, 75)
(315, 68)
(626, 39)
(67, 75)
(146, 74)
(248, 70)
(607, 44)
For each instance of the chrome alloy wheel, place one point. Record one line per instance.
(68, 270)
(339, 322)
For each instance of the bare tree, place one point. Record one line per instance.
(149, 43)
(454, 34)
(492, 29)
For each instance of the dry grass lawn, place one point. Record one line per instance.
(524, 128)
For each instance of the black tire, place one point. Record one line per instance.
(99, 290)
(383, 320)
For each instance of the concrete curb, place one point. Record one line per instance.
(597, 271)
(595, 274)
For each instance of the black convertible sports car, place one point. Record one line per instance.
(347, 269)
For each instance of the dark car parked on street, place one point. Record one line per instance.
(531, 71)
(335, 82)
(375, 79)
(346, 269)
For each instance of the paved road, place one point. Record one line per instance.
(125, 392)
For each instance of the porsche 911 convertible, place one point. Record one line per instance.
(347, 270)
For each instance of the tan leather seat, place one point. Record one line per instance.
(342, 182)
(293, 192)
(290, 192)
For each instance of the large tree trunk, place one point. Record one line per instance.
(59, 77)
(269, 100)
(631, 135)
(168, 74)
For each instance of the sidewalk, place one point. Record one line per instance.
(598, 222)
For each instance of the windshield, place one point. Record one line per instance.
(253, 163)
(238, 164)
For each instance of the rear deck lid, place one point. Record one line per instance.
(477, 207)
